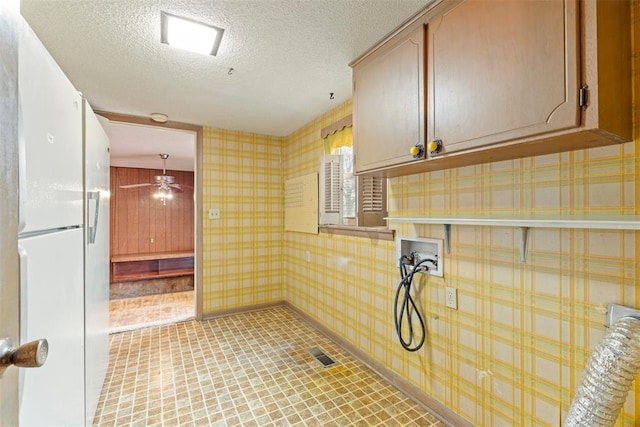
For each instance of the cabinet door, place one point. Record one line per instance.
(502, 70)
(388, 110)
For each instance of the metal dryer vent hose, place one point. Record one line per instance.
(607, 379)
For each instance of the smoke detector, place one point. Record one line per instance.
(159, 117)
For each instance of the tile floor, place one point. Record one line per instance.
(250, 369)
(151, 310)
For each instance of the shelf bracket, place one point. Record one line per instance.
(447, 237)
(616, 312)
(524, 243)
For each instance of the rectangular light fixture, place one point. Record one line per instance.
(188, 34)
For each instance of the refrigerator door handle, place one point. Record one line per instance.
(93, 195)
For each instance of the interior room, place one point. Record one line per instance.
(415, 212)
(151, 233)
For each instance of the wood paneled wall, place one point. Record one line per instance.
(140, 223)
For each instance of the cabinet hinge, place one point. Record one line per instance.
(583, 97)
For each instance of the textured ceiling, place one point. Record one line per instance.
(287, 56)
(138, 146)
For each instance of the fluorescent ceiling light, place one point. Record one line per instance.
(191, 35)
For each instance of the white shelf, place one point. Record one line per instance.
(525, 223)
(603, 222)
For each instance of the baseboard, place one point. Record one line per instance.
(445, 414)
(243, 309)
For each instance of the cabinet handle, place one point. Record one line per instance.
(435, 146)
(417, 151)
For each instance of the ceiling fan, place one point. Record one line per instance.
(166, 184)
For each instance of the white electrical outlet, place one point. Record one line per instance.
(451, 298)
(214, 213)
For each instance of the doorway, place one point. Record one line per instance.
(153, 224)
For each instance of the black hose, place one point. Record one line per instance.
(408, 308)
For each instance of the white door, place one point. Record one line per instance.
(9, 320)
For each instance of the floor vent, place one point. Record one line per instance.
(321, 357)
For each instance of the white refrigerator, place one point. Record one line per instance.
(52, 235)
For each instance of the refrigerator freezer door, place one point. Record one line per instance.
(96, 258)
(51, 141)
(53, 302)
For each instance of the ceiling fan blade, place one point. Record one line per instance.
(181, 187)
(175, 187)
(135, 185)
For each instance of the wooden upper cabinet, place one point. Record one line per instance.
(502, 70)
(504, 80)
(388, 103)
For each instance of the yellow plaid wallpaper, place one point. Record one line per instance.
(514, 351)
(242, 251)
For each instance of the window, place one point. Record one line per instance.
(346, 199)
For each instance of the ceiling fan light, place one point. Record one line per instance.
(191, 35)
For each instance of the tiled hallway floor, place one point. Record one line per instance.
(151, 310)
(250, 369)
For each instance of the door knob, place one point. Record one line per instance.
(29, 355)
